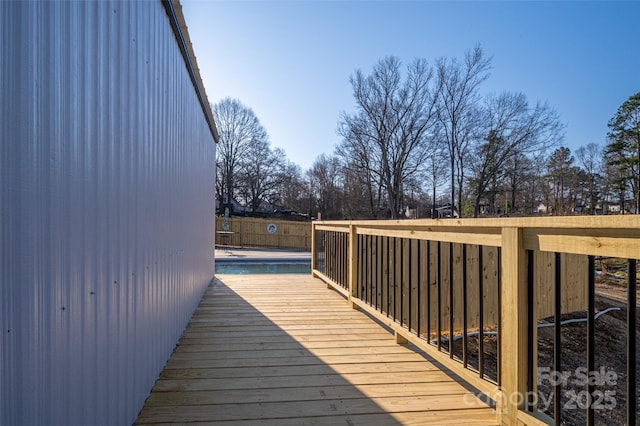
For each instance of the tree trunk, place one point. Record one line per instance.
(637, 192)
(476, 207)
(453, 183)
(433, 201)
(229, 194)
(459, 199)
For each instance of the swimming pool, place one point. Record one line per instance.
(264, 267)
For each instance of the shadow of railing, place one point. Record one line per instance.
(268, 360)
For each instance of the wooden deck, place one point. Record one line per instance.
(286, 350)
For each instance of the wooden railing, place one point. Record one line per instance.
(503, 303)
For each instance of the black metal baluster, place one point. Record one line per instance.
(366, 270)
(364, 267)
(341, 260)
(480, 313)
(324, 250)
(360, 292)
(557, 341)
(369, 271)
(464, 305)
(419, 285)
(591, 322)
(345, 270)
(395, 279)
(383, 273)
(438, 297)
(632, 391)
(451, 264)
(531, 330)
(360, 255)
(344, 260)
(328, 247)
(410, 283)
(374, 262)
(499, 311)
(334, 262)
(341, 264)
(394, 282)
(391, 270)
(338, 251)
(378, 295)
(332, 258)
(428, 289)
(372, 269)
(388, 274)
(399, 282)
(378, 285)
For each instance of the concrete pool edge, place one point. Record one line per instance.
(263, 260)
(241, 255)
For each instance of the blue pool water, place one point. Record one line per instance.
(263, 267)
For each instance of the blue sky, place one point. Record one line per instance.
(290, 61)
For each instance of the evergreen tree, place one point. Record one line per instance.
(623, 150)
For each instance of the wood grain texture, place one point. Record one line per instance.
(285, 350)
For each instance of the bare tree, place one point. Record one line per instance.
(590, 158)
(515, 131)
(560, 166)
(458, 85)
(261, 173)
(526, 185)
(239, 128)
(293, 191)
(325, 177)
(361, 164)
(361, 201)
(435, 171)
(615, 183)
(388, 132)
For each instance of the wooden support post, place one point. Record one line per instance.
(352, 267)
(513, 358)
(400, 339)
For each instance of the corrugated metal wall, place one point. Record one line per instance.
(106, 214)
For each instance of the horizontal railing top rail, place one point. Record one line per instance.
(614, 221)
(614, 236)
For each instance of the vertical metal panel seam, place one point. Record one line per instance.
(94, 269)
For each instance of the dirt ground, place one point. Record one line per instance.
(610, 393)
(610, 372)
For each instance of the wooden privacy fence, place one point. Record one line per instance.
(476, 293)
(263, 233)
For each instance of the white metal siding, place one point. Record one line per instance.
(106, 208)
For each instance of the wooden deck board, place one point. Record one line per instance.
(285, 350)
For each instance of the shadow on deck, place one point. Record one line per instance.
(285, 350)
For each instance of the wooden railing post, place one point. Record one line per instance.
(513, 359)
(353, 264)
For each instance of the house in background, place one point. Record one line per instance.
(107, 157)
(541, 209)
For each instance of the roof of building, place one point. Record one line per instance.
(179, 25)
